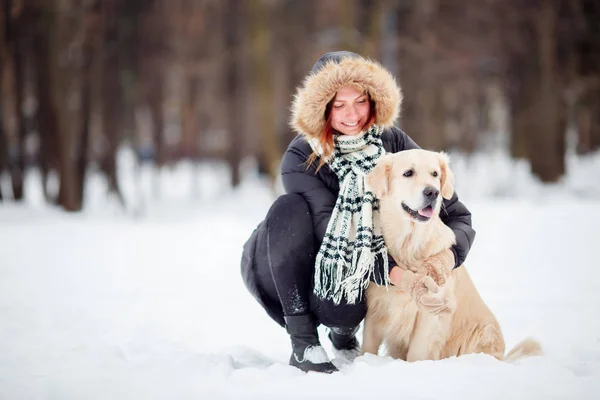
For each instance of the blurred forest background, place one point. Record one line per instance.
(209, 80)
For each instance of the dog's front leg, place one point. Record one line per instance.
(428, 337)
(372, 337)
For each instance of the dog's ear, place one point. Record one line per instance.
(447, 176)
(379, 178)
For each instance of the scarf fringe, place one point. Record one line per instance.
(335, 279)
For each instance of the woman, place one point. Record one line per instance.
(310, 260)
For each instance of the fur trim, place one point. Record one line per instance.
(318, 88)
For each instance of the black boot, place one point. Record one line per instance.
(307, 352)
(344, 342)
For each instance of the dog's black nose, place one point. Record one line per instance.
(430, 192)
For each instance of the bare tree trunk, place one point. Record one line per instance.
(406, 70)
(192, 26)
(46, 114)
(233, 86)
(189, 26)
(522, 95)
(153, 73)
(584, 73)
(296, 40)
(4, 15)
(18, 165)
(416, 83)
(65, 73)
(155, 103)
(429, 110)
(17, 30)
(430, 116)
(347, 23)
(522, 88)
(547, 142)
(85, 132)
(189, 115)
(110, 93)
(483, 110)
(152, 93)
(588, 123)
(190, 135)
(44, 84)
(111, 97)
(3, 147)
(469, 114)
(263, 85)
(595, 122)
(2, 143)
(86, 100)
(371, 19)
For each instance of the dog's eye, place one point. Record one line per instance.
(408, 173)
(435, 174)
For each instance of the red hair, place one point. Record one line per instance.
(325, 138)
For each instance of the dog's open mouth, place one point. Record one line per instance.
(421, 215)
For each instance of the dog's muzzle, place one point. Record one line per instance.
(425, 212)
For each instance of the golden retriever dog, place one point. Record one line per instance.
(413, 232)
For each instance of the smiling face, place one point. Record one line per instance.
(414, 180)
(350, 111)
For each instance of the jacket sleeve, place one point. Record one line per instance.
(456, 216)
(453, 213)
(297, 178)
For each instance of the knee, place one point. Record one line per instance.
(290, 210)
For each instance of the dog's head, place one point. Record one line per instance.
(415, 180)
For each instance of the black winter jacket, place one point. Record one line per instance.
(321, 190)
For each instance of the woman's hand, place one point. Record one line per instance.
(438, 266)
(422, 289)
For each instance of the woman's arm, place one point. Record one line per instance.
(458, 218)
(297, 178)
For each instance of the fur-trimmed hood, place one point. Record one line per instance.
(334, 71)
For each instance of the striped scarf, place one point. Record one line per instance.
(353, 241)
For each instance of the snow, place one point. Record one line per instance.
(148, 303)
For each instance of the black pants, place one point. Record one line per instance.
(278, 267)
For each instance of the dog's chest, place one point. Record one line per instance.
(413, 257)
(389, 302)
(420, 245)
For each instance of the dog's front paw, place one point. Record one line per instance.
(436, 305)
(429, 270)
(438, 267)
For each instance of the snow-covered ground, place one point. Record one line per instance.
(149, 304)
